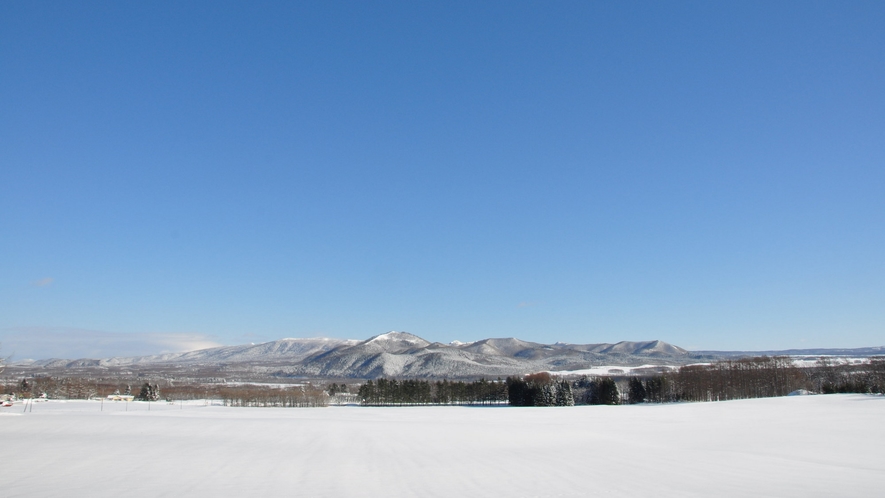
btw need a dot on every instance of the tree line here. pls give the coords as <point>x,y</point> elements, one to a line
<point>718,381</point>
<point>59,387</point>
<point>266,396</point>
<point>829,377</point>
<point>733,379</point>
<point>760,377</point>
<point>306,395</point>
<point>387,392</point>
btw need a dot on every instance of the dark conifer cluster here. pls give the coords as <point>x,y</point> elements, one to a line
<point>539,389</point>
<point>596,391</point>
<point>603,391</point>
<point>647,390</point>
<point>149,392</point>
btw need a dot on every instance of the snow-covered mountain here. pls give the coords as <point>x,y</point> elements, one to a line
<point>402,354</point>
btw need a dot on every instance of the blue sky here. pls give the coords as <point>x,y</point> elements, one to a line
<point>184,174</point>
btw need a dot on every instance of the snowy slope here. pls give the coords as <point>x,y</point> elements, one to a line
<point>803,446</point>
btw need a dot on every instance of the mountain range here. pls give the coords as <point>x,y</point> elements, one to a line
<point>400,354</point>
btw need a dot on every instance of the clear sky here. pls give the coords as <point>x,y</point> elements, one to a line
<point>183,174</point>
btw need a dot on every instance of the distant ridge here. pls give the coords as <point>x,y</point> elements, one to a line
<point>859,352</point>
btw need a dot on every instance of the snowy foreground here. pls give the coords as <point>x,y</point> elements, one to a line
<point>796,446</point>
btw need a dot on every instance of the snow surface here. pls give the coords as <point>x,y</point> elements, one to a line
<point>614,370</point>
<point>812,361</point>
<point>802,446</point>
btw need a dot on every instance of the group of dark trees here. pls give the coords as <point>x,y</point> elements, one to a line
<point>598,391</point>
<point>149,392</point>
<point>828,377</point>
<point>384,392</point>
<point>334,389</point>
<point>540,389</point>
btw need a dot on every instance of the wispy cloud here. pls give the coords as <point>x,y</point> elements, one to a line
<point>43,282</point>
<point>73,343</point>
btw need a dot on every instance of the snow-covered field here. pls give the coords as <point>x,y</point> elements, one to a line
<point>800,446</point>
<point>617,370</point>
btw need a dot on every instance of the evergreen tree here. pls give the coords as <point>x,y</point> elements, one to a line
<point>518,392</point>
<point>604,391</point>
<point>564,395</point>
<point>368,393</point>
<point>149,392</point>
<point>654,389</point>
<point>546,394</point>
<point>539,389</point>
<point>637,390</point>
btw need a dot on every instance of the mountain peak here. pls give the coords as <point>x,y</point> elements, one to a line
<point>394,342</point>
<point>393,335</point>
